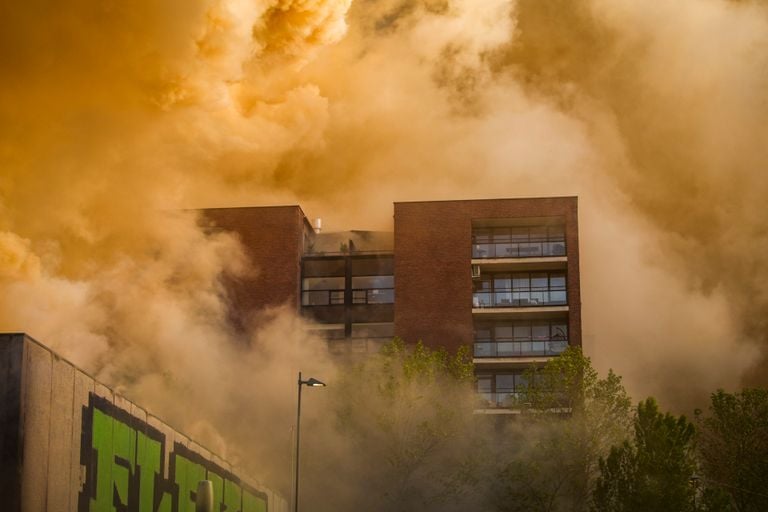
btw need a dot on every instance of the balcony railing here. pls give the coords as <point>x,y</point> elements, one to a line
<point>322,297</point>
<point>359,296</point>
<point>499,399</point>
<point>519,348</point>
<point>516,299</point>
<point>518,249</point>
<point>373,296</point>
<point>358,345</point>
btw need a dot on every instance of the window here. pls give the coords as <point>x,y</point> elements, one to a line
<point>373,290</point>
<point>508,338</point>
<point>501,389</point>
<point>328,331</point>
<point>322,291</point>
<point>518,242</point>
<point>374,330</point>
<point>520,289</point>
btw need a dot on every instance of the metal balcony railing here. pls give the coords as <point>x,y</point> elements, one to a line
<point>519,249</point>
<point>359,296</point>
<point>502,399</point>
<point>518,299</point>
<point>373,296</point>
<point>519,348</point>
<point>322,297</point>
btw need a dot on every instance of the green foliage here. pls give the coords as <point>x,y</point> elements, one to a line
<point>733,445</point>
<point>408,414</point>
<point>571,417</point>
<point>654,471</point>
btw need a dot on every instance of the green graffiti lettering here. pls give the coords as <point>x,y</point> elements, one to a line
<point>188,474</point>
<point>253,503</point>
<point>148,452</point>
<point>123,460</point>
<point>123,457</point>
<point>218,489</point>
<point>102,478</point>
<point>232,496</point>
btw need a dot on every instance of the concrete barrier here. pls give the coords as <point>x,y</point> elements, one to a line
<point>70,444</point>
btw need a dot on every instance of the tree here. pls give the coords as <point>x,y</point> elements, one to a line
<point>405,417</point>
<point>570,418</point>
<point>733,446</point>
<point>654,471</point>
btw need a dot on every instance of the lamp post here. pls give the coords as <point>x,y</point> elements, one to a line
<point>312,382</point>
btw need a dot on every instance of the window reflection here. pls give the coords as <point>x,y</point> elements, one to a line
<point>518,242</point>
<point>520,289</point>
<point>509,338</point>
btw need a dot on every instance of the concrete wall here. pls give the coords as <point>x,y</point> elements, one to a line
<point>70,444</point>
<point>433,255</point>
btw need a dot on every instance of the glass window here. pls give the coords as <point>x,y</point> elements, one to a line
<point>518,235</point>
<point>368,282</point>
<point>539,281</point>
<point>540,330</point>
<point>522,332</point>
<point>324,267</point>
<point>328,331</point>
<point>381,296</point>
<point>482,333</point>
<point>373,266</point>
<point>481,236</point>
<point>359,296</point>
<point>484,383</point>
<point>502,235</point>
<point>557,281</point>
<point>483,284</point>
<point>322,291</point>
<point>556,233</point>
<point>502,282</point>
<point>520,381</point>
<point>538,234</point>
<point>373,330</point>
<point>505,382</point>
<point>559,331</point>
<point>504,333</point>
<point>322,297</point>
<point>521,281</point>
<point>322,283</point>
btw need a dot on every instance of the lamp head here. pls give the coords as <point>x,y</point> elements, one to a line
<point>314,383</point>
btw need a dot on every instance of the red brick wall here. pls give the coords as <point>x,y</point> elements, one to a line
<point>433,252</point>
<point>272,238</point>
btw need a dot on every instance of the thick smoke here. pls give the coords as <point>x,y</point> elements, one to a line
<point>119,119</point>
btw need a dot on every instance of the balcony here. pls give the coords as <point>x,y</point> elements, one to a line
<point>545,240</point>
<point>518,250</point>
<point>322,297</point>
<point>499,400</point>
<point>529,348</point>
<point>515,299</point>
<point>373,296</point>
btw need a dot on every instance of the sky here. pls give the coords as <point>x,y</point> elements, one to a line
<point>119,119</point>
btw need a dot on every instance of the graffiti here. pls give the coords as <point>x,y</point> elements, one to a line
<point>124,460</point>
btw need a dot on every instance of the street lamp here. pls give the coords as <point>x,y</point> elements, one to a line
<point>311,382</point>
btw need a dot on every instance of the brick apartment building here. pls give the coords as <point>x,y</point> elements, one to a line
<point>498,275</point>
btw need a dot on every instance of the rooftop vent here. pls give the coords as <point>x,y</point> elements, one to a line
<point>318,225</point>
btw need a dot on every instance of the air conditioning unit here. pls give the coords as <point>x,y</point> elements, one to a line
<point>475,271</point>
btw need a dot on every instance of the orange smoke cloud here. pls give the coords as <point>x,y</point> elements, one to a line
<point>117,117</point>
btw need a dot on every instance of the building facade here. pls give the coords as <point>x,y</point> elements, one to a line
<point>498,275</point>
